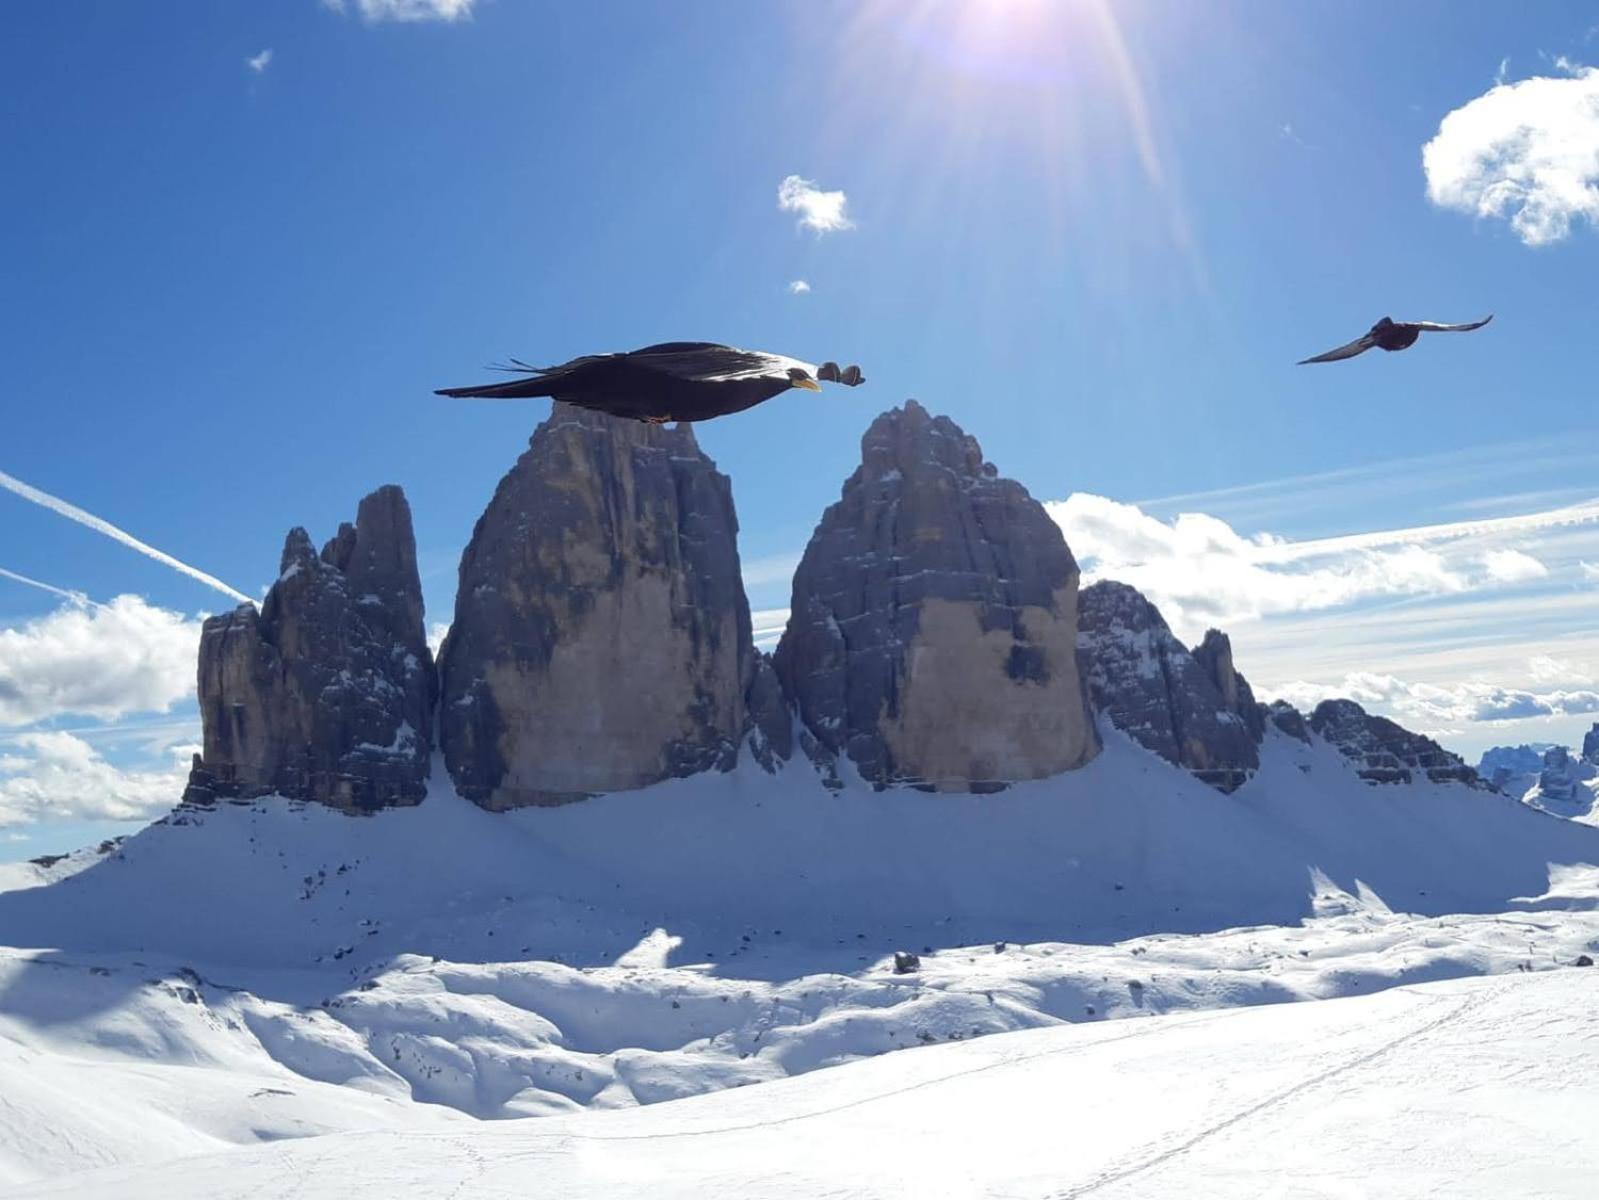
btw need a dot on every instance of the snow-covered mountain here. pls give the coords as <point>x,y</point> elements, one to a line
<point>1550,778</point>
<point>646,862</point>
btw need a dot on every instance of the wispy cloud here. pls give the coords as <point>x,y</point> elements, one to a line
<point>768,625</point>
<point>259,62</point>
<point>97,660</point>
<point>798,287</point>
<point>57,776</point>
<point>823,212</point>
<point>1524,152</point>
<point>1199,570</point>
<point>1432,706</point>
<point>405,10</point>
<point>1503,72</point>
<point>73,513</point>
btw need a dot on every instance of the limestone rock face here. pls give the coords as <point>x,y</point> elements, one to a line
<point>1384,752</point>
<point>1189,710</point>
<point>932,629</point>
<point>327,692</point>
<point>1215,657</point>
<point>601,639</point>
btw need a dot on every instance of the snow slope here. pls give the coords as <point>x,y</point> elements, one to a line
<point>1125,846</point>
<point>270,971</point>
<point>1478,1088</point>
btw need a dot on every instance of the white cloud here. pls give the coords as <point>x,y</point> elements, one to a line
<point>405,10</point>
<point>1512,566</point>
<point>57,776</point>
<point>1590,572</point>
<point>798,287</point>
<point>1526,151</point>
<point>820,211</point>
<point>1503,72</point>
<point>1198,570</point>
<point>259,62</point>
<point>436,634</point>
<point>97,660</point>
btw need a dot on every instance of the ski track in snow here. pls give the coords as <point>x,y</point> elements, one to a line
<point>274,972</point>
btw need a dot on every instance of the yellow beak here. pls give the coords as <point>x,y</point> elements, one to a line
<point>810,385</point>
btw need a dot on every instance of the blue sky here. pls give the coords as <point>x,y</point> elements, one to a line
<point>1097,236</point>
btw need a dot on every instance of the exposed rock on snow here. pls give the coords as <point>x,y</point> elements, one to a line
<point>1289,719</point>
<point>1562,775</point>
<point>1196,712</point>
<point>1383,751</point>
<point>326,693</point>
<point>1590,744</point>
<point>934,618</point>
<point>601,639</point>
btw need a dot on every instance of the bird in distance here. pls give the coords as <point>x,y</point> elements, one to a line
<point>1388,334</point>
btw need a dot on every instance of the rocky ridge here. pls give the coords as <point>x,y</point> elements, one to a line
<point>1385,752</point>
<point>1192,709</point>
<point>601,642</point>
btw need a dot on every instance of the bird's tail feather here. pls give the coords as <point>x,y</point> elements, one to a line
<point>515,389</point>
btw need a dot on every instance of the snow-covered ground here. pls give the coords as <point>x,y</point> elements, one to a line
<point>1480,1088</point>
<point>275,971</point>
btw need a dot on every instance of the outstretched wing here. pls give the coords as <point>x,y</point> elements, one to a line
<point>707,362</point>
<point>1359,346</point>
<point>1434,327</point>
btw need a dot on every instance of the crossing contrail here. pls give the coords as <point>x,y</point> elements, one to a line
<point>75,597</point>
<point>73,513</point>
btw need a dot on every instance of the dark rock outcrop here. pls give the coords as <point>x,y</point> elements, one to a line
<point>1163,697</point>
<point>1288,719</point>
<point>932,629</point>
<point>601,639</point>
<point>1590,745</point>
<point>1384,752</point>
<point>327,692</point>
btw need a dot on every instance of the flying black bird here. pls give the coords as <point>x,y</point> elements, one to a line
<point>674,381</point>
<point>1388,334</point>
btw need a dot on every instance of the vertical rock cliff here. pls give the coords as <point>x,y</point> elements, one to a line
<point>932,631</point>
<point>601,639</point>
<point>326,693</point>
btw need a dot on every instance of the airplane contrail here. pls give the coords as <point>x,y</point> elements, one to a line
<point>73,513</point>
<point>1572,514</point>
<point>75,597</point>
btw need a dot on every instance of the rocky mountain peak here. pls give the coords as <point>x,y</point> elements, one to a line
<point>933,619</point>
<point>601,639</point>
<point>325,694</point>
